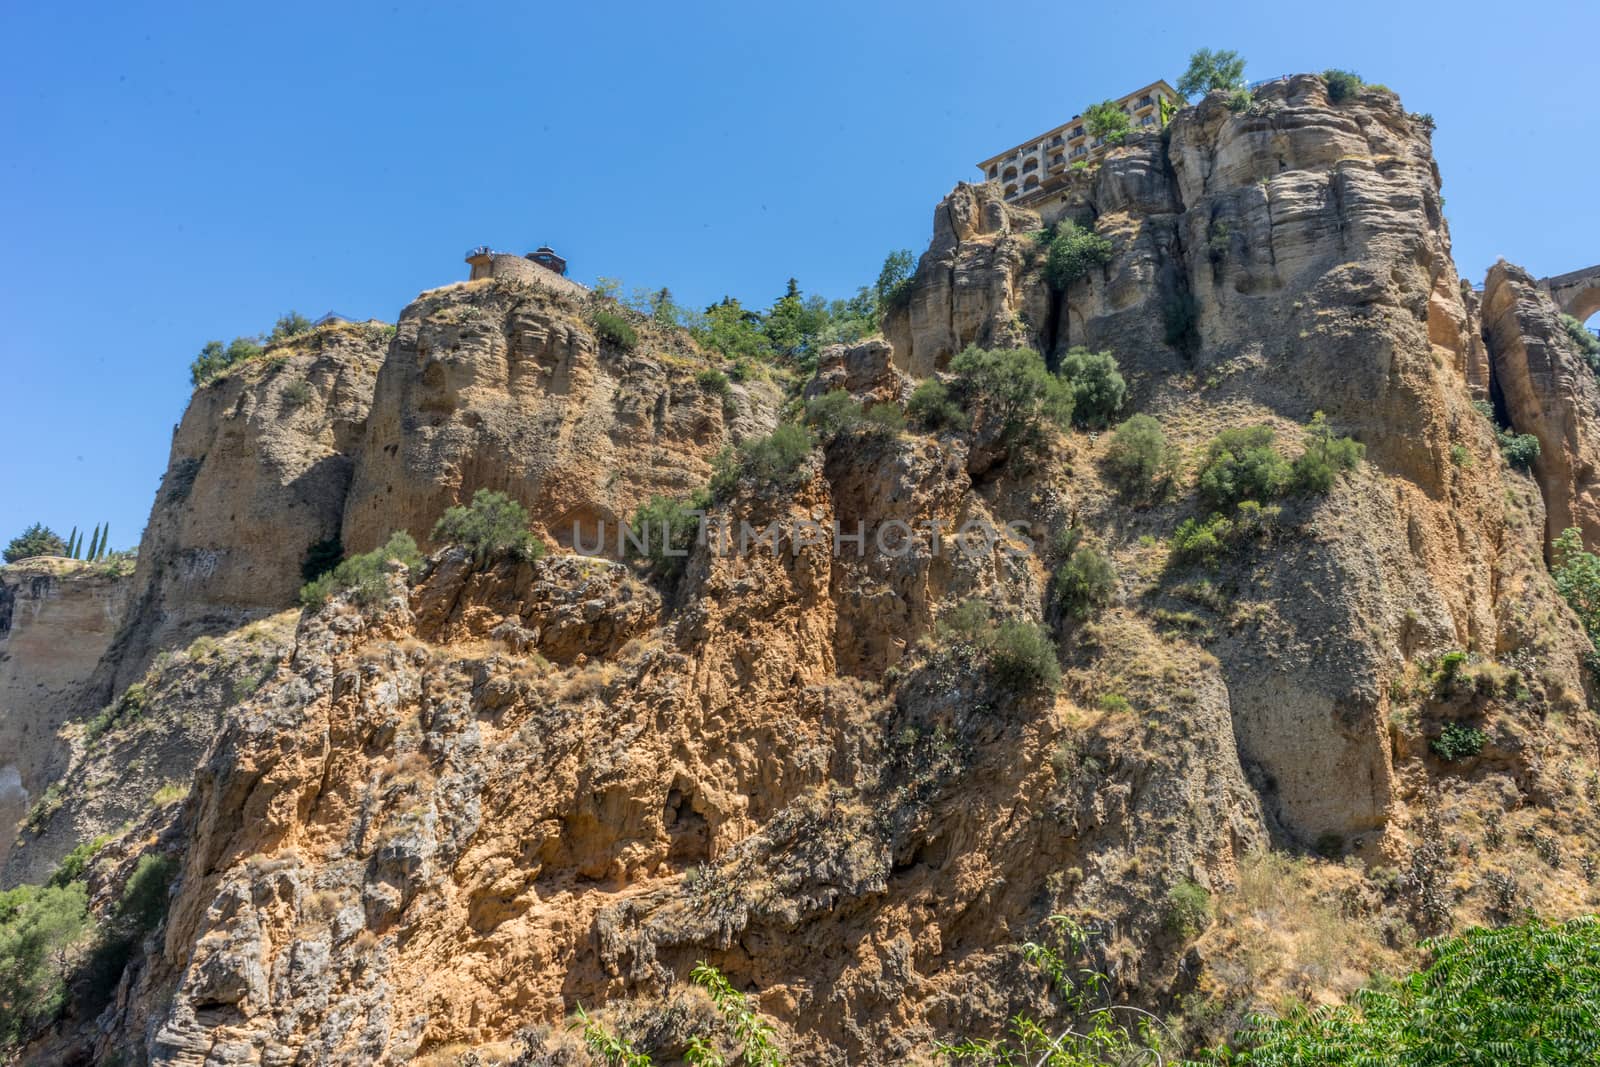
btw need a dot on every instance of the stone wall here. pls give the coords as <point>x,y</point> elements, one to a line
<point>507,267</point>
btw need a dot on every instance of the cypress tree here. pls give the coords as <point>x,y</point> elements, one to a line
<point>105,540</point>
<point>94,542</point>
<point>72,544</point>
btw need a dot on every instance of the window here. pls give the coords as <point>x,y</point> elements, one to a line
<point>994,172</point>
<point>1011,190</point>
<point>1079,151</point>
<point>1032,182</point>
<point>1145,101</point>
<point>1057,159</point>
<point>1010,174</point>
<point>1032,164</point>
<point>1148,120</point>
<point>1078,131</point>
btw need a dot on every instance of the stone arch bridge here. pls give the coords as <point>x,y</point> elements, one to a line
<point>1577,293</point>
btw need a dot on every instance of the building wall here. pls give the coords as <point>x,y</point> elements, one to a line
<point>508,267</point>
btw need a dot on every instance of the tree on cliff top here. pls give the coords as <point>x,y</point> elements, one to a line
<point>1107,121</point>
<point>36,540</point>
<point>1208,70</point>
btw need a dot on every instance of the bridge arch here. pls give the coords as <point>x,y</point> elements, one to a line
<point>1576,293</point>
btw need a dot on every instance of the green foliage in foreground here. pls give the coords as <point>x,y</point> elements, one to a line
<point>364,575</point>
<point>493,524</point>
<point>1527,994</point>
<point>36,540</point>
<point>753,1034</point>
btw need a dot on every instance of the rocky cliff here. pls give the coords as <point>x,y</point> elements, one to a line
<point>57,617</point>
<point>436,826</point>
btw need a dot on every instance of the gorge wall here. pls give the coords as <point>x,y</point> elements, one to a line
<point>437,825</point>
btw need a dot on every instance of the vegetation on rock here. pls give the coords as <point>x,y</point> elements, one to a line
<point>364,576</point>
<point>1208,70</point>
<point>491,525</point>
<point>1072,251</point>
<point>36,540</point>
<point>1140,459</point>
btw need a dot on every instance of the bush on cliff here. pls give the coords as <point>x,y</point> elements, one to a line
<point>1140,459</point>
<point>1577,576</point>
<point>492,525</point>
<point>290,324</point>
<point>1208,70</point>
<point>1243,463</point>
<point>615,329</point>
<point>1085,580</point>
<point>837,412</point>
<point>36,540</point>
<point>772,460</point>
<point>934,408</point>
<point>1342,84</point>
<point>1520,449</point>
<point>1012,395</point>
<point>1073,252</point>
<point>215,360</point>
<point>665,530</point>
<point>1098,389</point>
<point>1325,457</point>
<point>1107,121</point>
<point>1580,335</point>
<point>365,576</point>
<point>1019,655</point>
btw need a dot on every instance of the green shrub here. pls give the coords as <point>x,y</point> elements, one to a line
<point>1188,909</point>
<point>1208,70</point>
<point>38,927</point>
<point>1342,84</point>
<point>36,540</point>
<point>290,324</point>
<point>1577,578</point>
<point>774,460</point>
<point>1019,655</point>
<point>1461,456</point>
<point>1098,389</point>
<point>894,280</point>
<point>1520,449</point>
<point>74,863</point>
<point>1139,457</point>
<point>491,525</point>
<point>214,360</point>
<point>668,529</point>
<point>1526,994</point>
<point>1240,100</point>
<point>1457,742</point>
<point>832,413</point>
<point>1197,541</point>
<point>297,394</point>
<point>1085,580</point>
<point>364,576</point>
<point>612,327</point>
<point>1073,252</point>
<point>1588,344</point>
<point>713,381</point>
<point>140,909</point>
<point>932,406</point>
<point>1325,457</point>
<point>1013,395</point>
<point>1243,464</point>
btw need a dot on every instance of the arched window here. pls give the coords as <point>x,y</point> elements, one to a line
<point>1033,180</point>
<point>1031,164</point>
<point>994,172</point>
<point>1011,190</point>
<point>1010,174</point>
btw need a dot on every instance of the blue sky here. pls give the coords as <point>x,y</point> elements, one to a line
<point>191,172</point>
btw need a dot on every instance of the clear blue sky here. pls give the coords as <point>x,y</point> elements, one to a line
<point>192,171</point>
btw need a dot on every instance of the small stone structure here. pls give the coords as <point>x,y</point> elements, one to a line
<point>1576,293</point>
<point>487,263</point>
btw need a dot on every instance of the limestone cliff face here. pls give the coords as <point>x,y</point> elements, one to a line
<point>259,470</point>
<point>57,616</point>
<point>1547,390</point>
<point>1268,264</point>
<point>447,820</point>
<point>494,385</point>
